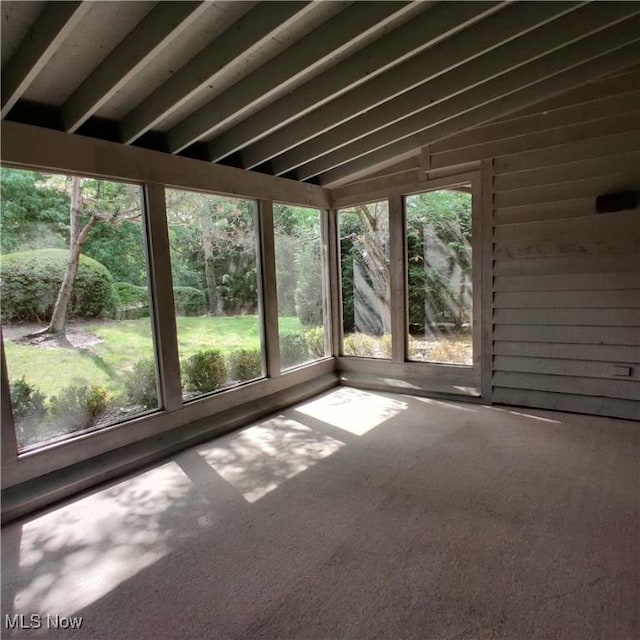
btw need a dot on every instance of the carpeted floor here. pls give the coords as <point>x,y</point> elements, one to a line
<point>358,515</point>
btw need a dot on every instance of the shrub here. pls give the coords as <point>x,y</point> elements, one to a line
<point>413,347</point>
<point>451,350</point>
<point>79,407</point>
<point>315,342</point>
<point>132,300</point>
<point>245,364</point>
<point>31,280</point>
<point>189,301</point>
<point>385,346</point>
<point>142,388</point>
<point>293,350</point>
<point>27,401</point>
<point>359,344</point>
<point>205,371</point>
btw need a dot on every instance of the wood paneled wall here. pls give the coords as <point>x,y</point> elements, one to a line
<point>566,281</point>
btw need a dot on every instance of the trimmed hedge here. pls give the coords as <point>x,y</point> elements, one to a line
<point>293,350</point>
<point>245,364</point>
<point>189,301</point>
<point>133,301</point>
<point>31,281</point>
<point>205,371</point>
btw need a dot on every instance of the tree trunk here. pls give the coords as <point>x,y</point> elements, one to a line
<point>215,307</point>
<point>77,237</point>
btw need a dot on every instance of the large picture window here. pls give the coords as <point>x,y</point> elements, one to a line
<point>214,265</point>
<point>75,304</point>
<point>439,276</point>
<point>366,280</point>
<point>300,277</point>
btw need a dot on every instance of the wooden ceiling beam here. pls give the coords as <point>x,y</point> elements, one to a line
<point>593,67</point>
<point>425,30</point>
<point>51,29</point>
<point>347,29</point>
<point>260,24</point>
<point>398,85</point>
<point>155,31</point>
<point>462,87</point>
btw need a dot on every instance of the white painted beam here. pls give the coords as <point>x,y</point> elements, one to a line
<point>605,106</point>
<point>417,71</point>
<point>157,29</point>
<point>53,26</point>
<point>260,24</point>
<point>425,30</point>
<point>398,141</point>
<point>425,103</point>
<point>26,146</point>
<point>343,31</point>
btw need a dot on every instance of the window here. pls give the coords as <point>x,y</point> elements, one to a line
<point>300,277</point>
<point>214,265</point>
<point>439,276</point>
<point>75,304</point>
<point>366,280</point>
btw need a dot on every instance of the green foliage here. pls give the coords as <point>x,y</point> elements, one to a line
<point>314,338</point>
<point>34,213</point>
<point>245,364</point>
<point>205,371</point>
<point>141,386</point>
<point>132,300</point>
<point>120,248</point>
<point>27,401</point>
<point>189,301</point>
<point>79,407</point>
<point>31,280</point>
<point>359,344</point>
<point>435,296</point>
<point>293,350</point>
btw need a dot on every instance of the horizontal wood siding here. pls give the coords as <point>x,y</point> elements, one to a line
<point>566,286</point>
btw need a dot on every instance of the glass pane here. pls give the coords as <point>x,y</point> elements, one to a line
<point>75,304</point>
<point>439,273</point>
<point>300,282</point>
<point>213,246</point>
<point>366,285</point>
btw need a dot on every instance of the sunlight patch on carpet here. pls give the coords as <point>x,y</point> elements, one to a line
<point>353,410</point>
<point>259,459</point>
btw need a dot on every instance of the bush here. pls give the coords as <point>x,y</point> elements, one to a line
<point>359,344</point>
<point>293,350</point>
<point>245,364</point>
<point>31,281</point>
<point>385,346</point>
<point>27,401</point>
<point>189,301</point>
<point>141,384</point>
<point>205,371</point>
<point>79,407</point>
<point>132,300</point>
<point>315,342</point>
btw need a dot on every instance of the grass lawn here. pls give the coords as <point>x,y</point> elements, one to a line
<point>113,347</point>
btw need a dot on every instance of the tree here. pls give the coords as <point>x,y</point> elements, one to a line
<point>213,248</point>
<point>91,202</point>
<point>365,233</point>
<point>35,213</point>
<point>439,256</point>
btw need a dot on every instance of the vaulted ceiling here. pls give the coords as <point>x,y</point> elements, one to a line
<point>320,91</point>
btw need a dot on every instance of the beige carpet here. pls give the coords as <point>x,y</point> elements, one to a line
<point>358,515</point>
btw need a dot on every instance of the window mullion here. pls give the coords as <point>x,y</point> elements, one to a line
<point>164,319</point>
